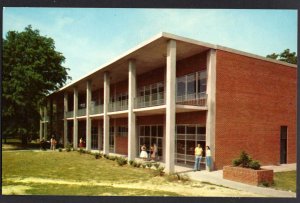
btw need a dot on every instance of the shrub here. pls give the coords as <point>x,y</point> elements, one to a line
<point>112,158</point>
<point>156,165</point>
<point>60,149</point>
<point>121,161</point>
<point>131,162</point>
<point>106,156</point>
<point>138,164</point>
<point>159,171</point>
<point>246,161</point>
<point>254,165</point>
<point>68,147</point>
<point>81,151</point>
<point>149,165</point>
<point>97,155</point>
<point>144,165</point>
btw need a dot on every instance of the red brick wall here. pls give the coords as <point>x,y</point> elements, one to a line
<point>253,99</point>
<point>151,120</point>
<point>121,145</point>
<point>191,118</point>
<point>248,176</point>
<point>151,77</point>
<point>190,65</point>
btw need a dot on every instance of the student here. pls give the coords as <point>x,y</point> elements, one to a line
<point>208,158</point>
<point>81,143</point>
<point>143,154</point>
<point>198,157</point>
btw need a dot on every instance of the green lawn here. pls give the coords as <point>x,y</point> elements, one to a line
<point>285,180</point>
<point>71,173</point>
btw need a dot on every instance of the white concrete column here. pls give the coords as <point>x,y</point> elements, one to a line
<point>170,106</point>
<point>211,102</point>
<point>45,122</point>
<point>131,115</point>
<point>75,120</point>
<point>65,119</point>
<point>88,119</point>
<point>99,134</point>
<point>105,116</point>
<point>41,123</point>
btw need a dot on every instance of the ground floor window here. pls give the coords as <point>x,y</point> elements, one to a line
<point>187,138</point>
<point>150,135</point>
<point>112,139</point>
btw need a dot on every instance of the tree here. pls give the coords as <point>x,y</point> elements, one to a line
<point>286,56</point>
<point>31,70</point>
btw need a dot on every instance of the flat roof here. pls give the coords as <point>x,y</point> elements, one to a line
<point>158,41</point>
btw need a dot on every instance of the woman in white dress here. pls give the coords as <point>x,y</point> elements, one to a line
<point>143,154</point>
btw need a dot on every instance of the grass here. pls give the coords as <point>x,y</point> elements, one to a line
<point>69,173</point>
<point>285,181</point>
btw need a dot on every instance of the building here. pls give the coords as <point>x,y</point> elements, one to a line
<point>177,92</point>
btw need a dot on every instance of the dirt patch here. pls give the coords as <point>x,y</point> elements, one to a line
<point>155,184</point>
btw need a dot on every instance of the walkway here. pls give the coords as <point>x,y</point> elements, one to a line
<point>216,177</point>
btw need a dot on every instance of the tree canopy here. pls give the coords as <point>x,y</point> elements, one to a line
<point>32,68</point>
<point>286,56</point>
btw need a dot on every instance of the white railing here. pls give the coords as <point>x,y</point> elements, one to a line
<point>118,106</point>
<point>150,100</point>
<point>97,109</point>
<point>195,99</point>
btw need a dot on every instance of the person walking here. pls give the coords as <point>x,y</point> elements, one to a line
<point>208,158</point>
<point>198,157</point>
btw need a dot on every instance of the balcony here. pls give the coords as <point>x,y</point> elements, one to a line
<point>118,106</point>
<point>70,114</point>
<point>81,112</point>
<point>195,99</point>
<point>97,109</point>
<point>150,100</point>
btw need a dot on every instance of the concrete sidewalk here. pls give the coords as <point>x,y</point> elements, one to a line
<point>216,177</point>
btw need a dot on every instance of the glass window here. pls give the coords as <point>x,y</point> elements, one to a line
<point>190,130</point>
<point>160,131</point>
<point>201,130</point>
<point>147,130</point>
<point>191,84</point>
<point>153,131</point>
<point>181,86</point>
<point>142,130</point>
<point>180,129</point>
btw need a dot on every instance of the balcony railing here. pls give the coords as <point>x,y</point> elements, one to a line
<point>196,99</point>
<point>118,106</point>
<point>97,109</point>
<point>81,112</point>
<point>70,114</point>
<point>150,100</point>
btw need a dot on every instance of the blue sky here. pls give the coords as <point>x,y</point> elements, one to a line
<point>90,37</point>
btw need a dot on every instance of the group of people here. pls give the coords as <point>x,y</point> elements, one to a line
<point>153,153</point>
<point>198,157</point>
<point>53,144</point>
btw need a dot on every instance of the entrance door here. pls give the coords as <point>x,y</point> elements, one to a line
<point>283,144</point>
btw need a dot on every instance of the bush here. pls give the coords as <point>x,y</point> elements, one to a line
<point>159,171</point>
<point>121,161</point>
<point>254,165</point>
<point>131,162</point>
<point>138,164</point>
<point>178,177</point>
<point>156,165</point>
<point>97,155</point>
<point>246,161</point>
<point>68,147</point>
<point>144,165</point>
<point>60,149</point>
<point>149,165</point>
<point>112,158</point>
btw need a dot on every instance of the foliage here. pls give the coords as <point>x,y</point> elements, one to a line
<point>97,155</point>
<point>31,70</point>
<point>121,161</point>
<point>149,164</point>
<point>68,147</point>
<point>285,56</point>
<point>156,165</point>
<point>246,161</point>
<point>178,177</point>
<point>159,171</point>
<point>60,149</point>
<point>130,162</point>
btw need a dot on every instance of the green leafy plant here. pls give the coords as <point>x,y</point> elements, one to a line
<point>97,155</point>
<point>121,161</point>
<point>246,161</point>
<point>156,165</point>
<point>159,171</point>
<point>130,162</point>
<point>68,147</point>
<point>149,165</point>
<point>60,149</point>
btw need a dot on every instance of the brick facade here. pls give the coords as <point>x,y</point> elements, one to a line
<point>253,99</point>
